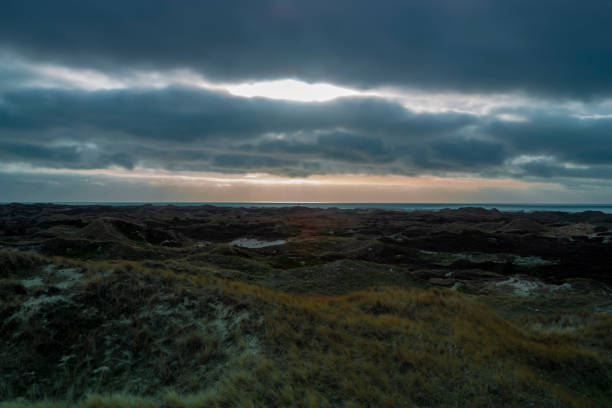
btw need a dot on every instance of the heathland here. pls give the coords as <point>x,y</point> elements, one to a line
<point>204,306</point>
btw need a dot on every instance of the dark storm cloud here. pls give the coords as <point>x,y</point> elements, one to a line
<point>180,128</point>
<point>567,138</point>
<point>189,129</point>
<point>558,47</point>
<point>461,154</point>
<point>186,114</point>
<point>335,145</point>
<point>74,157</point>
<point>547,170</point>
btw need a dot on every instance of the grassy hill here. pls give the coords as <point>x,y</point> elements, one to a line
<point>117,334</point>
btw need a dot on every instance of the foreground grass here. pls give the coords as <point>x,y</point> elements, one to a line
<point>128,336</point>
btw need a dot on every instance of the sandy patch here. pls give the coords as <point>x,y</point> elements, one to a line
<point>524,287</point>
<point>255,243</point>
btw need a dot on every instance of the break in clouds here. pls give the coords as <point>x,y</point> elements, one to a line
<point>497,90</point>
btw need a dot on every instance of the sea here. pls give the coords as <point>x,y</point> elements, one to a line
<point>505,207</point>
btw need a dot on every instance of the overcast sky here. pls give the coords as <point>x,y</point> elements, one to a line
<point>285,100</point>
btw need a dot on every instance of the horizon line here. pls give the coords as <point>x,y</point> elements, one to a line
<point>309,202</point>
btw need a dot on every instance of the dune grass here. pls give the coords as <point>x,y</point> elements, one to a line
<point>140,337</point>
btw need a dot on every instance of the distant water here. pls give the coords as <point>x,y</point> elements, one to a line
<point>606,208</point>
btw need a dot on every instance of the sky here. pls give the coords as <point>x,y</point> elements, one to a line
<point>306,101</point>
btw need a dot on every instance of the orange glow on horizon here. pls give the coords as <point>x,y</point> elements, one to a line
<point>168,185</point>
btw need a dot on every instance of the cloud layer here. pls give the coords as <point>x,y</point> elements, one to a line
<point>187,129</point>
<point>492,90</point>
<point>550,46</point>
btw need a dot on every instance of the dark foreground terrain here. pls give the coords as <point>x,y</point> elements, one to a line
<point>212,306</point>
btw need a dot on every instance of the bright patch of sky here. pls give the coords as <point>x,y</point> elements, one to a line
<point>48,75</point>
